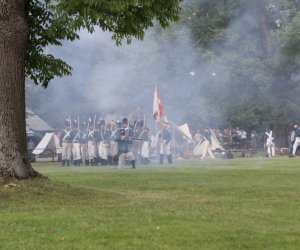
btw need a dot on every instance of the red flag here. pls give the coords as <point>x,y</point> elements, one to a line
<point>158,109</point>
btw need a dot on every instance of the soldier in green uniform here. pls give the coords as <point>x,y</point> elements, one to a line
<point>103,143</point>
<point>65,141</point>
<point>113,145</point>
<point>76,136</point>
<point>92,145</point>
<point>84,144</point>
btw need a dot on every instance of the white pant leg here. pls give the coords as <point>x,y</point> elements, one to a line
<point>145,149</point>
<point>122,158</point>
<point>76,151</point>
<point>103,150</point>
<point>66,151</point>
<point>205,149</point>
<point>113,148</point>
<point>210,152</point>
<point>295,146</point>
<point>92,150</point>
<point>273,150</point>
<point>84,152</point>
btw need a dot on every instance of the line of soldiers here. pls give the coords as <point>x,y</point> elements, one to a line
<point>112,143</point>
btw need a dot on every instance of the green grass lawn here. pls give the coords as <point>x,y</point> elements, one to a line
<point>251,203</point>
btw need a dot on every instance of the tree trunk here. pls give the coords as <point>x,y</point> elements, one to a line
<point>14,162</point>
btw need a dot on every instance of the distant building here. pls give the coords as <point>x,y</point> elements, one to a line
<point>36,127</point>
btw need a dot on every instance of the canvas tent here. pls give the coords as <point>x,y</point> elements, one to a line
<point>186,131</point>
<point>36,124</point>
<point>198,150</point>
<point>50,143</point>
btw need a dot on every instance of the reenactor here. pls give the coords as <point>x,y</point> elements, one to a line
<point>137,144</point>
<point>207,144</point>
<point>92,145</point>
<point>97,142</point>
<point>103,143</point>
<point>84,144</point>
<point>113,144</point>
<point>269,142</point>
<point>75,134</point>
<point>165,143</point>
<point>145,152</point>
<point>296,140</point>
<point>124,152</point>
<point>65,141</point>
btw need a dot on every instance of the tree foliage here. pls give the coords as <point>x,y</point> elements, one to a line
<point>254,48</point>
<point>51,22</point>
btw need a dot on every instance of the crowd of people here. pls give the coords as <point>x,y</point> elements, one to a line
<point>239,139</point>
<point>234,139</point>
<point>113,143</point>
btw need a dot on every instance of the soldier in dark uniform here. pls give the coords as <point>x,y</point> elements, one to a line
<point>124,143</point>
<point>65,141</point>
<point>137,144</point>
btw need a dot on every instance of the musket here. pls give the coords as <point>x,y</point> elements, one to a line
<point>78,127</point>
<point>70,121</point>
<point>94,123</point>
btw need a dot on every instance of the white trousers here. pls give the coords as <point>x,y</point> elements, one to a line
<point>165,149</point>
<point>296,144</point>
<point>123,157</point>
<point>145,149</point>
<point>84,152</point>
<point>103,150</point>
<point>113,148</point>
<point>92,149</point>
<point>76,151</point>
<point>206,150</point>
<point>270,148</point>
<point>66,151</point>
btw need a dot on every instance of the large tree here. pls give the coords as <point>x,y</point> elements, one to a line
<point>28,26</point>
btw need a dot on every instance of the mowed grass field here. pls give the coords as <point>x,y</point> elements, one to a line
<point>251,203</point>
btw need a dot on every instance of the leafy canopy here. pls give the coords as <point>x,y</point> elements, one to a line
<point>51,22</point>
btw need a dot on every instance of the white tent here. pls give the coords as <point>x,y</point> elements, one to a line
<point>186,131</point>
<point>49,142</point>
<point>198,150</point>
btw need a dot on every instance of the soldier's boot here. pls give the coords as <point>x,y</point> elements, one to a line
<point>92,162</point>
<point>146,161</point>
<point>142,160</point>
<point>109,160</point>
<point>75,162</point>
<point>86,162</point>
<point>115,160</point>
<point>63,163</point>
<point>78,163</point>
<point>68,162</point>
<point>161,159</point>
<point>170,161</point>
<point>133,164</point>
